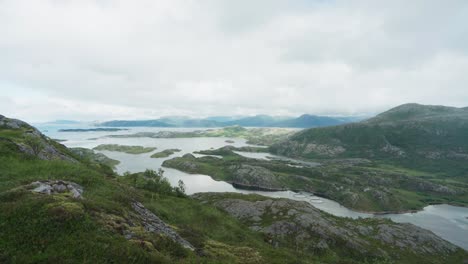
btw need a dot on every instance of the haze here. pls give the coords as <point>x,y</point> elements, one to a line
<point>101,60</point>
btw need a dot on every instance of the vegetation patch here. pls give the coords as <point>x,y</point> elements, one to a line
<point>125,149</point>
<point>165,153</point>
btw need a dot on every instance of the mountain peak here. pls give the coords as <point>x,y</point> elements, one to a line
<point>416,111</point>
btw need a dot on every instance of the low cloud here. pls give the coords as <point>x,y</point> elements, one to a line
<point>90,59</point>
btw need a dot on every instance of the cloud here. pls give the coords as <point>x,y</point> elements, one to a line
<point>113,59</point>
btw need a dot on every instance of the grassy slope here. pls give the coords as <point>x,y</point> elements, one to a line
<point>419,131</point>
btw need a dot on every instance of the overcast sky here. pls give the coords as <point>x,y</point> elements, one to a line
<point>111,59</point>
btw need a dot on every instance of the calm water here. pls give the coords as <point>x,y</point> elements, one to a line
<point>449,222</point>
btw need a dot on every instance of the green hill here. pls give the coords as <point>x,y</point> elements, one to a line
<point>60,206</point>
<point>432,138</point>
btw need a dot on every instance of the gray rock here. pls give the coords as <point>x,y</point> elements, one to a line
<point>57,186</point>
<point>188,156</point>
<point>254,176</point>
<point>154,224</point>
<point>12,123</point>
<point>288,219</point>
<point>60,188</point>
<point>47,151</point>
<point>189,165</point>
<point>42,188</point>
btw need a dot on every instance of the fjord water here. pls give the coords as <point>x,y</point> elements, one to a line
<point>449,222</point>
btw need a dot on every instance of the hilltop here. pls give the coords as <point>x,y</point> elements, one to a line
<point>426,137</point>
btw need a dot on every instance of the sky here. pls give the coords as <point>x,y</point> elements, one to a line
<point>126,59</point>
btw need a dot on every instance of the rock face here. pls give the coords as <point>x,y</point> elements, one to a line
<point>286,221</point>
<point>56,187</point>
<point>94,157</point>
<point>35,143</point>
<point>154,224</point>
<point>48,152</point>
<point>12,123</point>
<point>254,176</point>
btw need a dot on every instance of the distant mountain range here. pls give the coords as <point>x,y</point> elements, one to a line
<point>303,121</point>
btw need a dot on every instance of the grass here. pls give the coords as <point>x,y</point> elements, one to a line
<point>39,228</point>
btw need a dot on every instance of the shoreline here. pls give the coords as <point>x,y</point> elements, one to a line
<point>321,195</point>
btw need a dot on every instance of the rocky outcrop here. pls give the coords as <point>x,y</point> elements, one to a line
<point>283,220</point>
<point>52,187</point>
<point>154,224</point>
<point>13,123</point>
<point>47,152</point>
<point>33,141</point>
<point>94,157</point>
<point>253,176</point>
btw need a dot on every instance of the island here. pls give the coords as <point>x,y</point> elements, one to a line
<point>92,129</point>
<point>125,149</point>
<point>359,184</point>
<point>165,153</point>
<point>256,136</point>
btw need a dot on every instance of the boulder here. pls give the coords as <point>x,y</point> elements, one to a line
<point>57,186</point>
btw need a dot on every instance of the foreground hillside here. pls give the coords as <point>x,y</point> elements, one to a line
<point>63,206</point>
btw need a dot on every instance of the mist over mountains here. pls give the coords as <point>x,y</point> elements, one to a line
<point>303,121</point>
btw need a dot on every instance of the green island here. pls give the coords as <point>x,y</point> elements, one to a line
<point>58,207</point>
<point>92,130</point>
<point>165,153</point>
<point>256,136</point>
<point>125,149</point>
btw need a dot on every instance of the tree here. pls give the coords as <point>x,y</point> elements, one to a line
<point>35,143</point>
<point>181,187</point>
